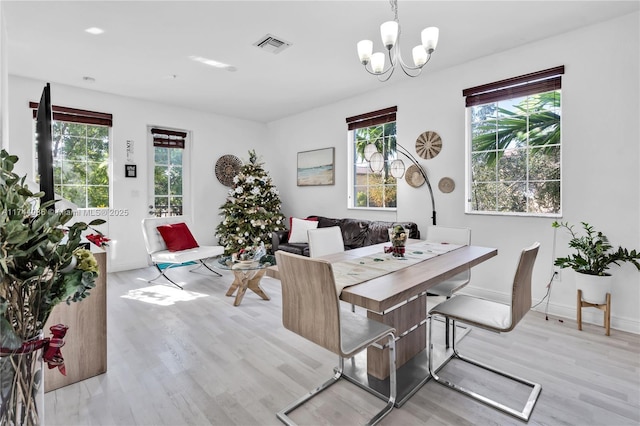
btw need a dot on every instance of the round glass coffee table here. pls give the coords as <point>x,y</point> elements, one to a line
<point>247,275</point>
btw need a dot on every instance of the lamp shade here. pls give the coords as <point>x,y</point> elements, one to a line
<point>389,33</point>
<point>377,62</point>
<point>419,56</point>
<point>429,38</point>
<point>369,150</point>
<point>397,168</point>
<point>365,47</point>
<point>376,162</point>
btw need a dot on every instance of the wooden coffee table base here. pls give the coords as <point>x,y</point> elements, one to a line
<point>246,279</point>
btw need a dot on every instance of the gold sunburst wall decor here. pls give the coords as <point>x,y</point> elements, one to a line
<point>428,145</point>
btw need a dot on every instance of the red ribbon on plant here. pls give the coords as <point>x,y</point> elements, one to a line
<point>50,348</point>
<point>98,239</point>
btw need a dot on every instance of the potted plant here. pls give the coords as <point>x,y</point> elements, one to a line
<point>594,256</point>
<point>42,264</point>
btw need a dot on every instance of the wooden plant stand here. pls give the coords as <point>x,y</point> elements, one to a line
<point>606,307</point>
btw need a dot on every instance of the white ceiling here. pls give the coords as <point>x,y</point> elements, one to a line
<point>146,42</point>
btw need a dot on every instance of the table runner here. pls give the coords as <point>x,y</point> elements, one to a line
<point>355,271</point>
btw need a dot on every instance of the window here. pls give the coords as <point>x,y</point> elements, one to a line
<point>514,145</point>
<point>80,155</point>
<point>168,154</point>
<point>368,189</point>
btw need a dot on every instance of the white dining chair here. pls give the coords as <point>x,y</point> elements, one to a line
<point>493,316</point>
<point>443,234</point>
<point>323,241</point>
<point>310,308</point>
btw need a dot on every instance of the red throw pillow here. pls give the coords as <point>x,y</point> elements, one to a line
<point>177,237</point>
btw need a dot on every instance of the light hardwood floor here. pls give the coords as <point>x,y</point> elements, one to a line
<point>191,358</point>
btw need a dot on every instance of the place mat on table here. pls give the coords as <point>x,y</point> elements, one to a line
<point>355,271</point>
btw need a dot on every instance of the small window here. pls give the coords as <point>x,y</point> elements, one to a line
<point>369,189</point>
<point>168,154</point>
<point>514,145</point>
<point>80,156</point>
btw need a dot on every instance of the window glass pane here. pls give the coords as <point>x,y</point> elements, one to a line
<point>175,179</point>
<point>162,155</point>
<point>161,186</point>
<point>544,163</point>
<point>97,150</point>
<point>73,172</point>
<point>75,148</point>
<point>483,166</point>
<point>175,156</point>
<point>511,197</point>
<point>545,197</point>
<point>483,196</point>
<point>77,194</point>
<point>98,174</point>
<point>98,196</point>
<point>512,164</point>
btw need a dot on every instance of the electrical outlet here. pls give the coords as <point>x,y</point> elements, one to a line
<point>557,274</point>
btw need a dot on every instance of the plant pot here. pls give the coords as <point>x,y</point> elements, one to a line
<point>594,287</point>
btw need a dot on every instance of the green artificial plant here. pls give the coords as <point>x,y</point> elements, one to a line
<point>594,254</point>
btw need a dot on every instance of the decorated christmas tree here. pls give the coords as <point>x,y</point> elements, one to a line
<point>251,212</point>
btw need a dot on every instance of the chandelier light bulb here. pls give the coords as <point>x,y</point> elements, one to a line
<point>389,34</point>
<point>377,62</point>
<point>430,39</point>
<point>419,55</point>
<point>365,48</point>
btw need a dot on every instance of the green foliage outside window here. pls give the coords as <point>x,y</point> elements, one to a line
<point>168,181</point>
<point>81,163</point>
<point>371,189</point>
<point>515,155</point>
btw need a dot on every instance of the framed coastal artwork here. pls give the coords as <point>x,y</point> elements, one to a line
<point>316,167</point>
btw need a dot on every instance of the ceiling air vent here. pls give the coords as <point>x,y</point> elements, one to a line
<point>272,44</point>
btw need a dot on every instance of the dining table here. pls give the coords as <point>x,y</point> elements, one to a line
<point>394,291</point>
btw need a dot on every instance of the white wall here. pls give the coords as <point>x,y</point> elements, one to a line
<point>212,136</point>
<point>600,156</point>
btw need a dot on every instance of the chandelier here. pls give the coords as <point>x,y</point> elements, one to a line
<point>390,33</point>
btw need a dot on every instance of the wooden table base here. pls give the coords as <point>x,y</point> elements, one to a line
<point>606,307</point>
<point>247,279</point>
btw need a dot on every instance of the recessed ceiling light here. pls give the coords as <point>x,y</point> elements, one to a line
<point>94,30</point>
<point>213,63</point>
<point>89,79</point>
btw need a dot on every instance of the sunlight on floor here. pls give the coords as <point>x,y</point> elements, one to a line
<point>162,295</point>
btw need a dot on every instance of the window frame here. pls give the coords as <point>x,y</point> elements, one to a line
<point>370,119</point>
<point>513,88</point>
<point>75,116</point>
<point>184,145</point>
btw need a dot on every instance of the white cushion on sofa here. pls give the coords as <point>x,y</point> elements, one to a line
<point>299,229</point>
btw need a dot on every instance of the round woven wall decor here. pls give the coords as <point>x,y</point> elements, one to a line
<point>446,185</point>
<point>428,145</point>
<point>413,176</point>
<point>227,167</point>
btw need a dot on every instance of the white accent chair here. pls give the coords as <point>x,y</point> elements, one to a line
<point>492,316</point>
<point>158,252</point>
<point>443,234</point>
<point>311,309</point>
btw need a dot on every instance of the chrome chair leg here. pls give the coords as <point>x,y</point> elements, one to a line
<point>283,414</point>
<point>523,414</point>
<point>162,274</point>
<point>206,266</point>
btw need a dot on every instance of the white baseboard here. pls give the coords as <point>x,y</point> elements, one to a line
<point>589,315</point>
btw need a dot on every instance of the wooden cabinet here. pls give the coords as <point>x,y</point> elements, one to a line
<point>85,349</point>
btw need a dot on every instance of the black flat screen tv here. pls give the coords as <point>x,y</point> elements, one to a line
<point>44,137</point>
